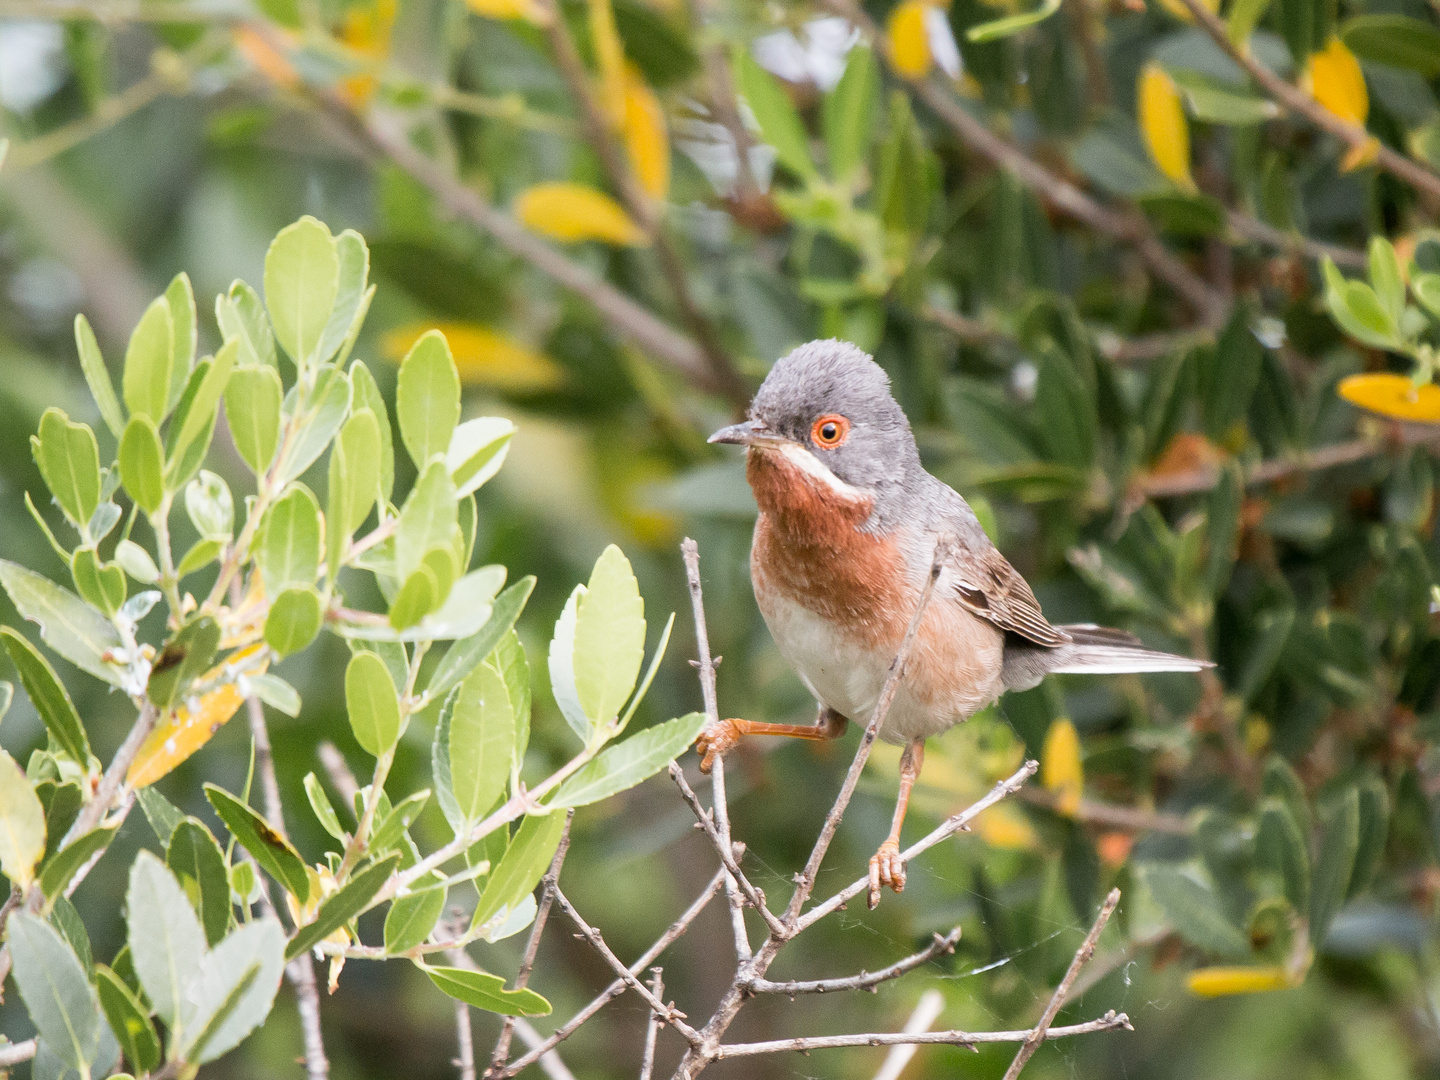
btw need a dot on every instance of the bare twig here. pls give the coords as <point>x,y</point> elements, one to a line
<point>616,988</point>
<point>1298,101</point>
<point>339,772</point>
<point>100,804</point>
<point>1259,232</point>
<point>1111,1021</point>
<point>1082,955</point>
<point>549,1061</point>
<point>1205,477</point>
<point>652,1026</point>
<point>532,944</point>
<point>15,1053</point>
<point>940,945</point>
<point>1118,817</point>
<point>926,1010</point>
<point>465,1040</point>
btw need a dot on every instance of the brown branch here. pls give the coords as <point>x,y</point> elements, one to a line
<point>1111,1021</point>
<point>1120,817</point>
<point>1192,481</point>
<point>14,1053</point>
<point>652,1027</point>
<point>672,1016</point>
<point>1257,231</point>
<point>549,1061</point>
<point>465,1041</point>
<point>532,944</point>
<point>616,988</point>
<point>1294,99</point>
<point>1082,955</point>
<point>939,946</point>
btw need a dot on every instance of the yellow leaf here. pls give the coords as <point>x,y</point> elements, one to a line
<point>1394,396</point>
<point>366,31</point>
<point>646,140</point>
<point>1163,125</point>
<point>1181,12</point>
<point>528,10</point>
<point>1334,79</point>
<point>610,58</point>
<point>1223,981</point>
<point>1360,155</point>
<point>180,734</point>
<point>909,39</point>
<point>1005,826</point>
<point>573,212</point>
<point>484,357</point>
<point>1060,769</point>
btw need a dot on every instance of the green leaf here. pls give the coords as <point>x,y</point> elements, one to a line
<point>1244,16</point>
<point>850,112</point>
<point>440,767</point>
<point>69,460</point>
<point>195,858</point>
<point>294,620</point>
<point>393,825</point>
<point>352,297</point>
<point>1280,781</point>
<point>97,376</point>
<point>164,817</point>
<point>149,360</point>
<point>905,185</point>
<point>1385,278</point>
<point>1374,826</point>
<point>371,702</point>
<point>166,938</point>
<point>48,695</point>
<point>622,766</point>
<point>367,396</point>
<point>779,122</point>
<point>68,625</point>
<point>476,452</point>
<point>61,867</point>
<point>136,562</point>
<point>1426,288</point>
<point>359,442</point>
<point>188,655</point>
<point>55,989</point>
<point>271,850</point>
<point>277,693</point>
<point>1195,912</point>
<point>482,741</point>
<point>427,398</point>
<point>562,667</point>
<point>411,918</point>
<point>241,317</point>
<point>142,463</point>
<point>508,658</point>
<point>525,862</point>
<point>1280,847</point>
<point>325,411</point>
<point>1231,375</point>
<point>65,919</point>
<point>1338,847</point>
<point>129,1020</point>
<point>485,991</point>
<point>302,271</point>
<point>288,545</point>
<point>344,905</point>
<point>22,824</point>
<point>1397,40</point>
<point>233,990</point>
<point>1066,407</point>
<point>323,809</point>
<point>201,554</point>
<point>200,414</point>
<point>1011,24</point>
<point>252,408</point>
<point>1217,102</point>
<point>609,637</point>
<point>180,298</point>
<point>415,600</point>
<point>465,654</point>
<point>428,520</point>
<point>99,585</point>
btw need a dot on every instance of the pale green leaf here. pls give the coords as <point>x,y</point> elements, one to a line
<point>97,376</point>
<point>167,940</point>
<point>372,704</point>
<point>482,741</point>
<point>302,270</point>
<point>22,824</point>
<point>485,991</point>
<point>69,460</point>
<point>232,992</point>
<point>71,627</point>
<point>252,409</point>
<point>622,766</point>
<point>562,667</point>
<point>427,398</point>
<point>477,450</point>
<point>288,545</point>
<point>57,994</point>
<point>609,637</point>
<point>525,862</point>
<point>142,463</point>
<point>149,359</point>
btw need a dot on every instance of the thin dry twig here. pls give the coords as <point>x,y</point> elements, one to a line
<point>465,1040</point>
<point>925,1013</point>
<point>1111,1021</point>
<point>1205,477</point>
<point>15,1053</point>
<point>652,1026</point>
<point>940,945</point>
<point>1082,955</point>
<point>1117,817</point>
<point>338,771</point>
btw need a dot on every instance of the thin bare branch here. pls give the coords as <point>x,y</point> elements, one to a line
<point>652,1026</point>
<point>616,988</point>
<point>1294,99</point>
<point>549,1061</point>
<point>925,1013</point>
<point>15,1053</point>
<point>465,1040</point>
<point>339,772</point>
<point>1111,1021</point>
<point>101,803</point>
<point>1082,955</point>
<point>1118,817</point>
<point>1203,478</point>
<point>1257,231</point>
<point>940,945</point>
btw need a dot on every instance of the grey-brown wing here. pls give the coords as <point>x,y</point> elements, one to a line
<point>987,585</point>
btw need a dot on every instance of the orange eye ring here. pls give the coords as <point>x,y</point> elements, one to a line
<point>830,431</point>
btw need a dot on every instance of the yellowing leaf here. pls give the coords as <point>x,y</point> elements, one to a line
<point>484,357</point>
<point>909,39</point>
<point>1360,155</point>
<point>1224,981</point>
<point>1394,396</point>
<point>1163,125</point>
<point>1181,12</point>
<point>1060,769</point>
<point>1334,79</point>
<point>265,58</point>
<point>181,733</point>
<point>610,57</point>
<point>528,10</point>
<point>647,141</point>
<point>571,213</point>
<point>366,31</point>
<point>1005,826</point>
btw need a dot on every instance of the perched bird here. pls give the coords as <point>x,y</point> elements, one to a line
<point>849,526</point>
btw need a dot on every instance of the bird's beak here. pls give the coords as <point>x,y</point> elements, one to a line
<point>750,433</point>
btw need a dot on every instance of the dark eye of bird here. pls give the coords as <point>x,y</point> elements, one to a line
<point>829,432</point>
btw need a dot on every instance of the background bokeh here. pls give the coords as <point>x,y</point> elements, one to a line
<point>1023,345</point>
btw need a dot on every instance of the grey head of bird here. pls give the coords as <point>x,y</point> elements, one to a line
<point>829,404</point>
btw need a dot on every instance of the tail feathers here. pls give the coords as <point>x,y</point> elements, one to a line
<point>1092,650</point>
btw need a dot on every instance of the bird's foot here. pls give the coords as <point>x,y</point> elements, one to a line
<point>886,868</point>
<point>716,741</point>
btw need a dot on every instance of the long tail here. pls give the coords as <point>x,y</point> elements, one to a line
<point>1092,650</point>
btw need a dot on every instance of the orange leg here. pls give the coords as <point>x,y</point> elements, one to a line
<point>886,867</point>
<point>720,740</point>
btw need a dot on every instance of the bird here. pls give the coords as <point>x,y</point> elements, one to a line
<point>849,526</point>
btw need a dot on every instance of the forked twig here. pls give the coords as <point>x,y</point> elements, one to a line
<point>940,945</point>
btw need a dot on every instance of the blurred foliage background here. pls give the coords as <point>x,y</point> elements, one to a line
<point>1084,241</point>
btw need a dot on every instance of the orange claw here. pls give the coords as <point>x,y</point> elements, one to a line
<point>886,868</point>
<point>717,741</point>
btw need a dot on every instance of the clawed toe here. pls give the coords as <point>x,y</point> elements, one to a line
<point>886,868</point>
<point>716,741</point>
